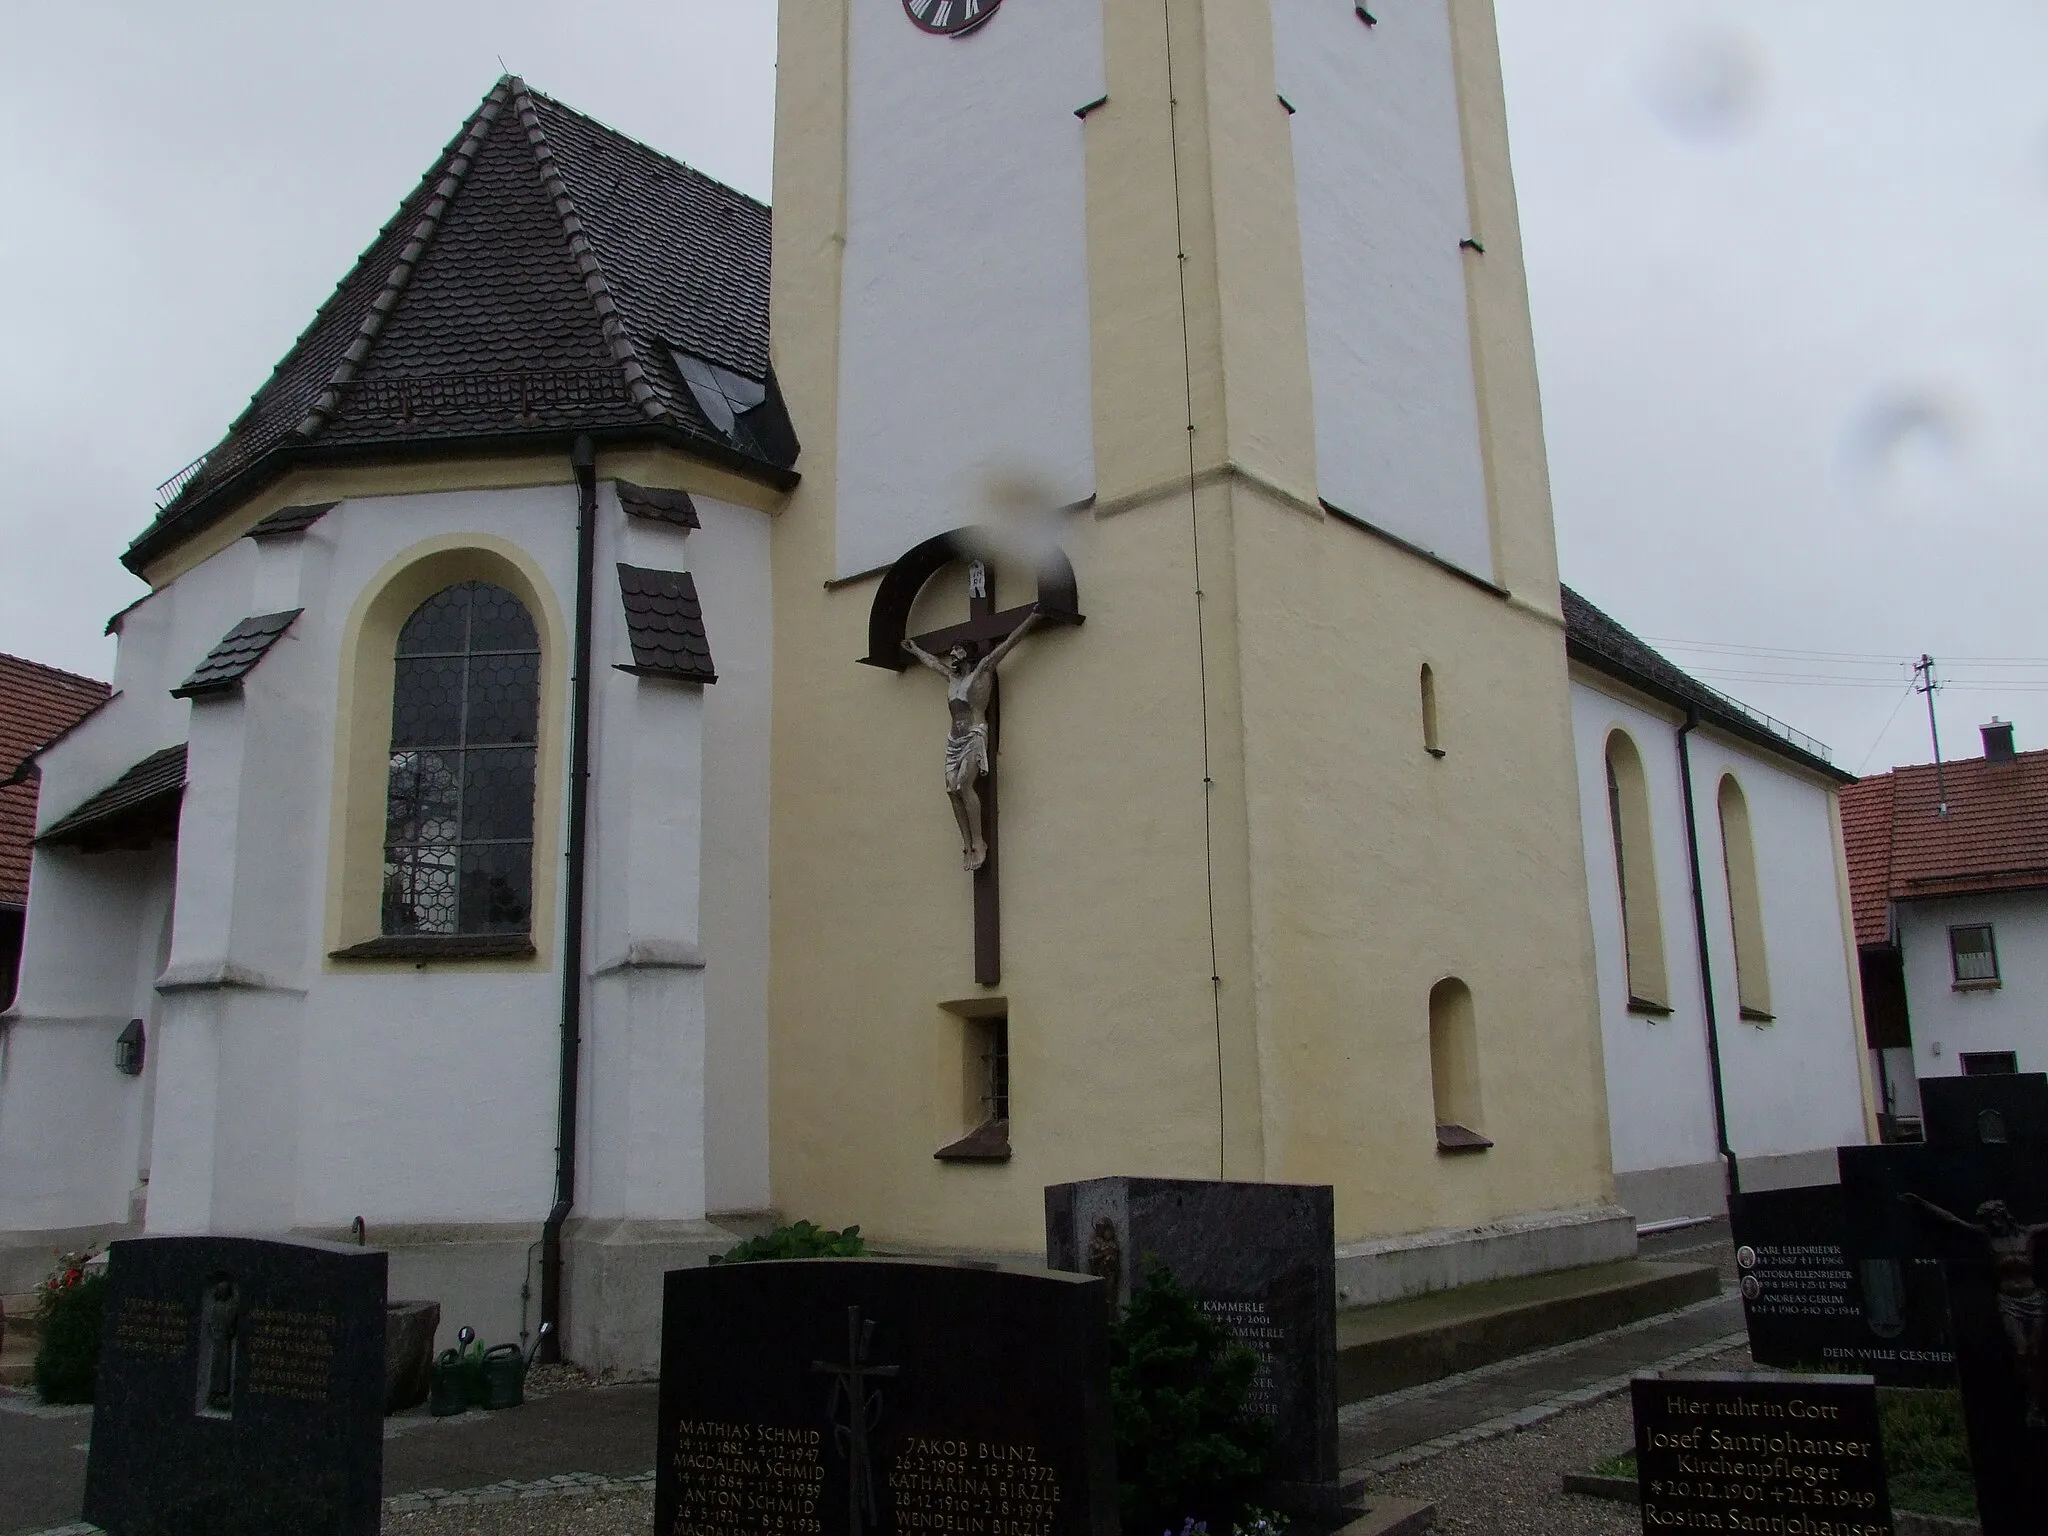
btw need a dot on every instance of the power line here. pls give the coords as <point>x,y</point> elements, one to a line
<point>1888,719</point>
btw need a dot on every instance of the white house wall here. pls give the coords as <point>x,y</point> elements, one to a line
<point>1379,176</point>
<point>2010,1017</point>
<point>1793,1087</point>
<point>964,343</point>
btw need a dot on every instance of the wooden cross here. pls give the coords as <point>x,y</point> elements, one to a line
<point>984,629</point>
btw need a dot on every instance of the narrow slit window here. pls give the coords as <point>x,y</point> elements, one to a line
<point>1745,904</point>
<point>1454,1068</point>
<point>465,711</point>
<point>1635,873</point>
<point>1973,955</point>
<point>1432,741</point>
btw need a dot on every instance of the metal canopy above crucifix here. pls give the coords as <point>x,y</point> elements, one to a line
<point>967,654</point>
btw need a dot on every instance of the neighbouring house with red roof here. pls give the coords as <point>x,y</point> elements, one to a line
<point>37,705</point>
<point>1948,866</point>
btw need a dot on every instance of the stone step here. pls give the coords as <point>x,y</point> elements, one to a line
<point>1426,1338</point>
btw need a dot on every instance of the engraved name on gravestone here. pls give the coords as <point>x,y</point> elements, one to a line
<point>1982,1212</point>
<point>1261,1260</point>
<point>1760,1453</point>
<point>1808,1307</point>
<point>241,1389</point>
<point>832,1397</point>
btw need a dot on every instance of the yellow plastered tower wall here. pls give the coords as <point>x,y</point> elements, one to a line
<point>1232,871</point>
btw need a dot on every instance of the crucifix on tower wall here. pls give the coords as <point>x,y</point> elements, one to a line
<point>967,656</point>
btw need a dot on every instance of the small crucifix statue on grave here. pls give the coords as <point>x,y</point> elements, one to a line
<point>2022,1305</point>
<point>863,1407</point>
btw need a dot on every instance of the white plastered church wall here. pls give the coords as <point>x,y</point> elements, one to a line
<point>1659,1093</point>
<point>966,217</point>
<point>1947,1022</point>
<point>1379,175</point>
<point>1793,1088</point>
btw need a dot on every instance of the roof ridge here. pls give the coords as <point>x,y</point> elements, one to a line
<point>63,672</point>
<point>641,144</point>
<point>585,256</point>
<point>323,408</point>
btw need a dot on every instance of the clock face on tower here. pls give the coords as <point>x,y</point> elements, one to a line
<point>953,18</point>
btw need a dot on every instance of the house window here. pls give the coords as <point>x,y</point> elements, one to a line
<point>1635,872</point>
<point>1973,955</point>
<point>465,707</point>
<point>1745,904</point>
<point>1989,1063</point>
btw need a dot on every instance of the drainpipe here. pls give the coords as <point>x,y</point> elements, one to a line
<point>1699,927</point>
<point>583,460</point>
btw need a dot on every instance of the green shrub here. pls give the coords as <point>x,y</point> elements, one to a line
<point>1927,1452</point>
<point>798,1240</point>
<point>69,1310</point>
<point>1185,1448</point>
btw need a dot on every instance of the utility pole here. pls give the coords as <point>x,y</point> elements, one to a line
<point>1923,672</point>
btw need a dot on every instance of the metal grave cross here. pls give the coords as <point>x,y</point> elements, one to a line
<point>863,1407</point>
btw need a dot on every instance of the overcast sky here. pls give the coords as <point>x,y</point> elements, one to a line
<point>1785,256</point>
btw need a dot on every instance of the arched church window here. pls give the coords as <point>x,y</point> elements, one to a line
<point>1745,904</point>
<point>1635,872</point>
<point>465,709</point>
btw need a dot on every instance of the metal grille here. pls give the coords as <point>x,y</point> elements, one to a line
<point>465,708</point>
<point>995,1063</point>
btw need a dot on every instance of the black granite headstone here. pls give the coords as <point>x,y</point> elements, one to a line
<point>1810,1308</point>
<point>1760,1453</point>
<point>1998,1109</point>
<point>831,1397</point>
<point>1981,1211</point>
<point>241,1389</point>
<point>1259,1258</point>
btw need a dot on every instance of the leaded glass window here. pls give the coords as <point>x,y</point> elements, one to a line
<point>465,710</point>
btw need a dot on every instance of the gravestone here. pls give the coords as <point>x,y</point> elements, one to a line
<point>1742,1452</point>
<point>241,1389</point>
<point>1261,1259</point>
<point>1982,1212</point>
<point>1809,1307</point>
<point>2001,1108</point>
<point>831,1397</point>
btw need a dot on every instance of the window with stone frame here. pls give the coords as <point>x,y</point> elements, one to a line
<point>465,709</point>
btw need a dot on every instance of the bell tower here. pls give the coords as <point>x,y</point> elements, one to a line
<point>1229,294</point>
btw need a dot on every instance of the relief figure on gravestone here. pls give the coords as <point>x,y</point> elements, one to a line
<point>970,683</point>
<point>221,1311</point>
<point>2022,1305</point>
<point>1106,1258</point>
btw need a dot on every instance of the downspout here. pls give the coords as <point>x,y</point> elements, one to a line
<point>583,460</point>
<point>1699,927</point>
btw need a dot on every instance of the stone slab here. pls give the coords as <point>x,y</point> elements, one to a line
<point>241,1389</point>
<point>1260,1259</point>
<point>1390,1516</point>
<point>833,1396</point>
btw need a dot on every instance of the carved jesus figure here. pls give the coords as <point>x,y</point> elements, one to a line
<point>969,686</point>
<point>2022,1305</point>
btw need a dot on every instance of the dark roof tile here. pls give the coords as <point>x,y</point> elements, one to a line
<point>134,808</point>
<point>665,625</point>
<point>235,657</point>
<point>532,283</point>
<point>286,520</point>
<point>658,506</point>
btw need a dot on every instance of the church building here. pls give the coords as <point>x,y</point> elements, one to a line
<point>1054,668</point>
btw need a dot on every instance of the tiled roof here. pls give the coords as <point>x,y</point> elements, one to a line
<point>1596,640</point>
<point>235,657</point>
<point>665,625</point>
<point>37,705</point>
<point>530,287</point>
<point>141,797</point>
<point>290,520</point>
<point>1994,837</point>
<point>658,506</point>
